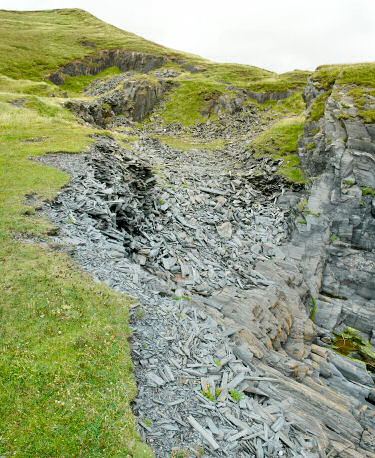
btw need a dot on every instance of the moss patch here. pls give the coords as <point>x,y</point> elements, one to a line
<point>291,106</point>
<point>188,100</point>
<point>367,191</point>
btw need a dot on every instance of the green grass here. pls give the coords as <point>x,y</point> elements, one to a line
<point>235,74</point>
<point>236,395</point>
<point>66,378</point>
<point>187,101</point>
<point>361,79</point>
<point>358,74</point>
<point>318,106</point>
<point>291,106</point>
<point>291,80</point>
<point>280,141</point>
<point>325,76</point>
<point>20,86</point>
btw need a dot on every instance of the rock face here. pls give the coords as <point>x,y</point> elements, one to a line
<point>336,245</point>
<point>123,60</point>
<point>262,97</point>
<point>119,99</point>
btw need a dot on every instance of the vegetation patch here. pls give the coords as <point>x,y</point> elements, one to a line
<point>367,191</point>
<point>65,370</point>
<point>188,100</point>
<point>279,83</point>
<point>325,76</point>
<point>312,309</point>
<point>236,395</point>
<point>74,84</point>
<point>362,79</point>
<point>280,142</point>
<point>291,106</point>
<point>359,74</point>
<point>317,108</point>
<point>363,98</point>
<point>349,343</point>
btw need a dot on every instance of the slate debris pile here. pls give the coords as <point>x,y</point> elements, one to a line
<point>198,234</point>
<point>194,391</point>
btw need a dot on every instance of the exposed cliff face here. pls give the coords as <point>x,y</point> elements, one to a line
<point>336,248</point>
<point>120,99</point>
<point>123,60</point>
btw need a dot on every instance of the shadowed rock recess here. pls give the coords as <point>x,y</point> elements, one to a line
<point>244,279</point>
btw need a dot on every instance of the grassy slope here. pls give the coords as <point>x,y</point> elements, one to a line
<point>32,44</point>
<point>65,370</point>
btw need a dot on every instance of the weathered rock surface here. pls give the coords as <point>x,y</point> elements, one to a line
<point>123,60</point>
<point>119,100</point>
<point>336,245</point>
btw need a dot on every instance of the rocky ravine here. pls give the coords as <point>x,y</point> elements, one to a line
<point>223,312</point>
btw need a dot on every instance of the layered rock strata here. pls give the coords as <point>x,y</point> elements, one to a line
<point>123,60</point>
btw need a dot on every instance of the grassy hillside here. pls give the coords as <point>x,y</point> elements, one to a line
<point>358,78</point>
<point>65,370</point>
<point>37,42</point>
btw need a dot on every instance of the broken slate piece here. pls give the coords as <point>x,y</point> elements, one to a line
<point>203,432</point>
<point>225,230</point>
<point>154,379</point>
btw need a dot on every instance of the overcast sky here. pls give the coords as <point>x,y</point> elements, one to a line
<point>278,35</point>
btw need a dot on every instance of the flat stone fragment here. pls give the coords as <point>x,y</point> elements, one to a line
<point>225,230</point>
<point>154,379</point>
<point>204,433</point>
